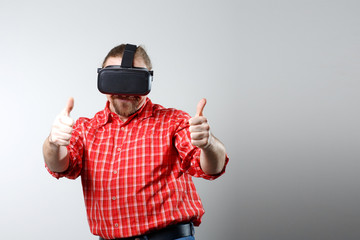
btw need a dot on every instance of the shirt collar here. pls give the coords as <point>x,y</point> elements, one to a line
<point>107,115</point>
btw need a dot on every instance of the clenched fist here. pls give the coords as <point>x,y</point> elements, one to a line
<point>62,127</point>
<point>199,127</point>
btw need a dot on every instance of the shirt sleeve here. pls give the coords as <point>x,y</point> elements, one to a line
<point>190,154</point>
<point>75,150</point>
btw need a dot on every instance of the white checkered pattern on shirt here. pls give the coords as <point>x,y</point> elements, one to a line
<point>136,175</point>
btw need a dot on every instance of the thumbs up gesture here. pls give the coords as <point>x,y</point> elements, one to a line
<point>62,127</point>
<point>199,127</point>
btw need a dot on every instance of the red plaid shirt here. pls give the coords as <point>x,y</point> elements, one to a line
<point>136,175</point>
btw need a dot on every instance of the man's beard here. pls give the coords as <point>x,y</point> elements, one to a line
<point>125,106</point>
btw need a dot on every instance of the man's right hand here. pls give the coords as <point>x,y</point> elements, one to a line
<point>62,127</point>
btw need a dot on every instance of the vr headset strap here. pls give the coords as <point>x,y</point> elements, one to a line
<point>128,56</point>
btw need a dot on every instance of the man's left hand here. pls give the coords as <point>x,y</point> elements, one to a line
<point>199,127</point>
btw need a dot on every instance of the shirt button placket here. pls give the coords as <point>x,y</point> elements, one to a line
<point>122,136</point>
<point>115,171</point>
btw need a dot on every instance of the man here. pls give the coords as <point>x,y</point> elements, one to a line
<point>136,160</point>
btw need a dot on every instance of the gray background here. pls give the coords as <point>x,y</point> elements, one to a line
<point>282,83</point>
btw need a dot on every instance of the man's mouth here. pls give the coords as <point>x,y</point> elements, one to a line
<point>125,97</point>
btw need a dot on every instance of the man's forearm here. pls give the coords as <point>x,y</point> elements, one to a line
<point>212,158</point>
<point>56,157</point>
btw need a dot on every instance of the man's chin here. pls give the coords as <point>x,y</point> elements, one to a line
<point>124,108</point>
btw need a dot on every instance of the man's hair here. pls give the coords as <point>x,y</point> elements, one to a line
<point>140,52</point>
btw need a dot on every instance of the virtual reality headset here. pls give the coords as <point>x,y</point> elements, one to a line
<point>125,79</point>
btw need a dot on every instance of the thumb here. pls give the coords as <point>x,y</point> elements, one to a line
<point>200,107</point>
<point>69,106</point>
